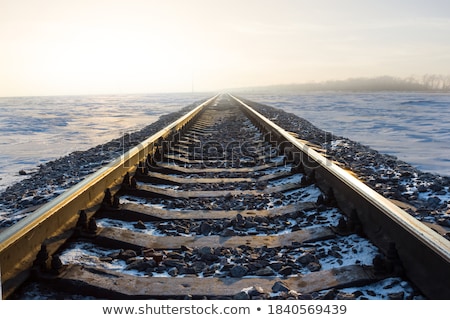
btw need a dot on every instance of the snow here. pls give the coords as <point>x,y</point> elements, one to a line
<point>87,255</point>
<point>124,225</point>
<point>415,127</point>
<point>292,179</point>
<point>35,130</point>
<point>381,289</point>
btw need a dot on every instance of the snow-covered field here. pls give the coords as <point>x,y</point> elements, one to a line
<point>415,127</point>
<point>35,130</point>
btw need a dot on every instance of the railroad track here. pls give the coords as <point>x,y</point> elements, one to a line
<point>222,203</point>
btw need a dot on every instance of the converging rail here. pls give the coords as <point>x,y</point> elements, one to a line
<point>221,202</point>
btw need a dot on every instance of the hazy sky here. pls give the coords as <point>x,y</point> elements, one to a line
<point>52,47</point>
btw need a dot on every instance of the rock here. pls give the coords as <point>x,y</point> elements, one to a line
<point>187,270</point>
<point>276,265</point>
<point>238,271</point>
<point>285,271</point>
<point>265,272</point>
<point>306,258</point>
<point>371,293</point>
<point>256,291</point>
<point>345,296</point>
<point>314,266</point>
<point>205,228</point>
<point>433,202</point>
<point>126,254</point>
<point>141,265</point>
<point>306,296</point>
<point>182,229</point>
<point>205,250</point>
<point>106,259</point>
<point>334,253</point>
<point>330,295</point>
<point>444,221</point>
<point>280,287</point>
<point>175,255</point>
<point>186,248</point>
<point>227,267</point>
<point>156,256</point>
<point>293,294</point>
<point>241,296</point>
<point>436,187</point>
<point>250,224</point>
<point>396,296</point>
<point>140,225</point>
<point>199,266</point>
<point>173,272</point>
<point>421,188</point>
<point>169,262</point>
<point>260,220</point>
<point>207,254</point>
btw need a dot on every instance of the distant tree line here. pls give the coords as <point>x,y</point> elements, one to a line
<point>435,81</point>
<point>428,82</point>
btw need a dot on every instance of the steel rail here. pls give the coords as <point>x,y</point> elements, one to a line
<point>384,222</point>
<point>20,243</point>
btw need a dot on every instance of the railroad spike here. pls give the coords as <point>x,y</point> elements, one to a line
<point>393,260</point>
<point>142,169</point>
<point>92,227</point>
<point>133,183</point>
<point>388,264</point>
<point>330,199</point>
<point>150,161</point>
<point>116,202</point>
<point>342,225</point>
<point>379,267</point>
<point>82,222</point>
<point>176,136</point>
<point>354,224</point>
<point>320,200</point>
<point>126,181</point>
<point>157,156</point>
<point>298,167</point>
<point>56,264</point>
<point>42,258</point>
<point>107,200</point>
<point>165,149</point>
<point>308,179</point>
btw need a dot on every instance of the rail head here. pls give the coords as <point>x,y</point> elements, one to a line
<point>9,235</point>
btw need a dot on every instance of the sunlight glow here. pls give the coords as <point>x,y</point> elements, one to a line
<point>100,46</point>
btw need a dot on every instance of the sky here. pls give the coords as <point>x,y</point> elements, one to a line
<point>60,47</point>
